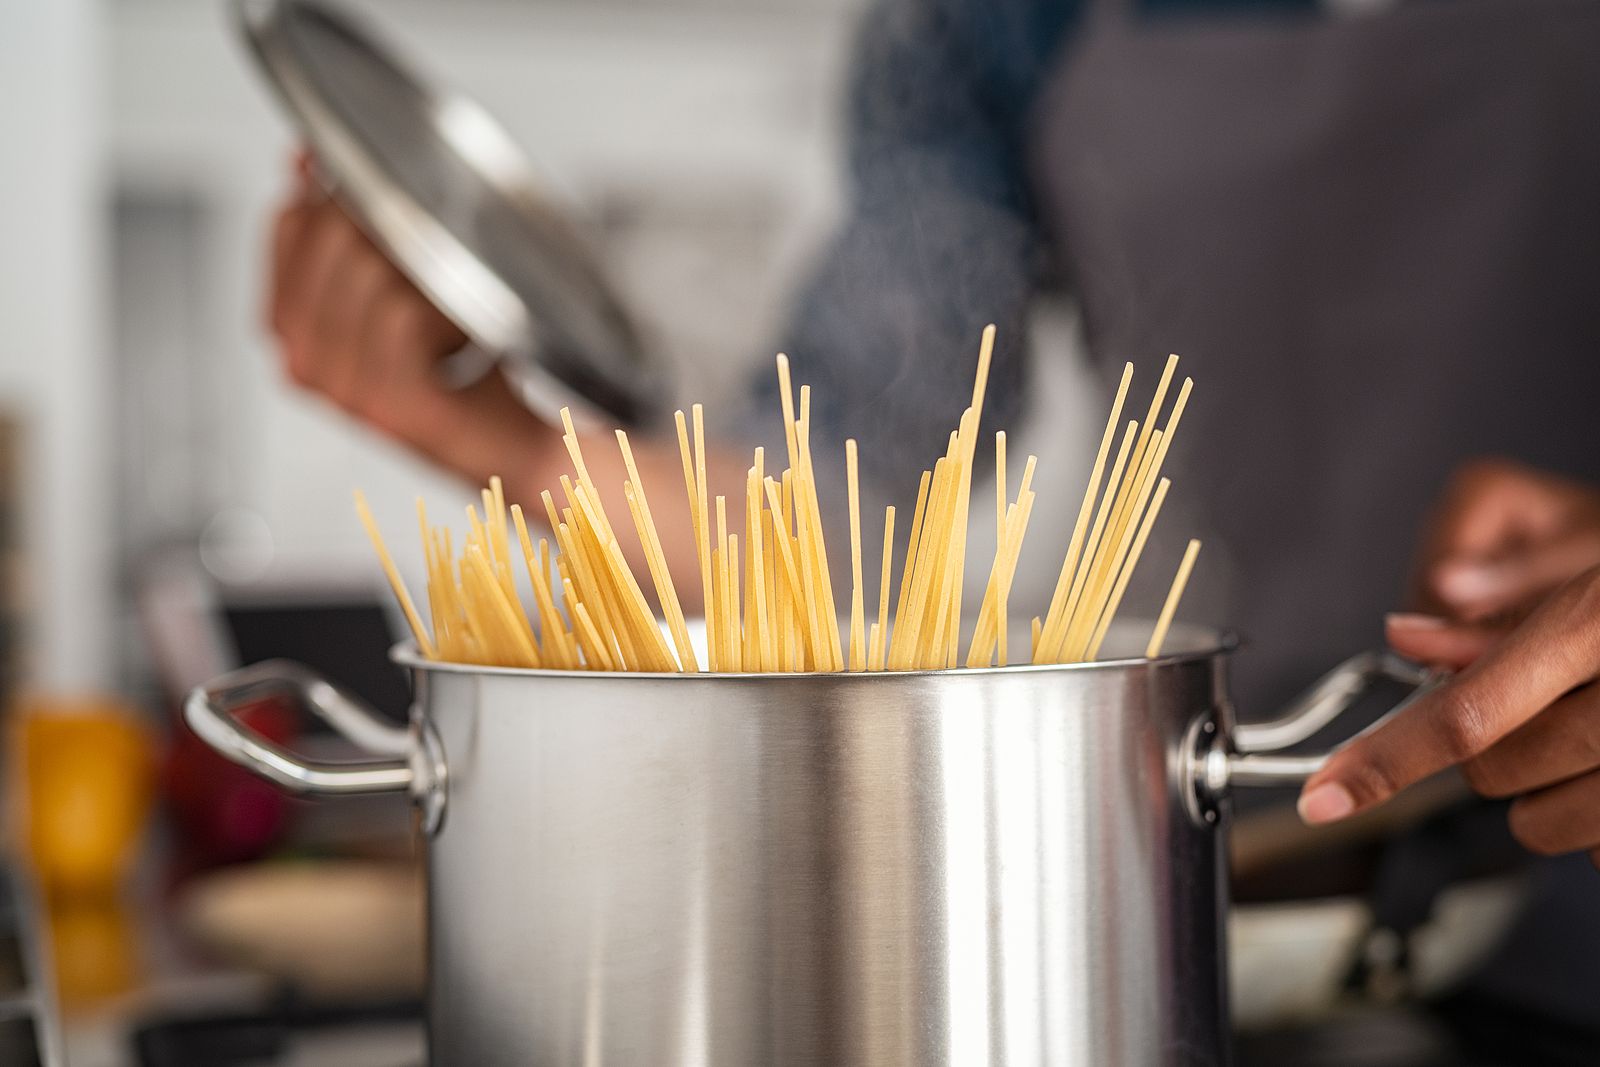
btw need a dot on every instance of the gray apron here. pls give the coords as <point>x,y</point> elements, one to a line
<point>1375,240</point>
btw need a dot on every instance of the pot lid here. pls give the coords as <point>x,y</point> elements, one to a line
<point>440,186</point>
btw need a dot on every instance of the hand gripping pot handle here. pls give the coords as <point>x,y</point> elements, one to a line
<point>1254,757</point>
<point>409,760</point>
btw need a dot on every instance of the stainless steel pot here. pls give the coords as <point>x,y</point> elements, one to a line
<point>931,869</point>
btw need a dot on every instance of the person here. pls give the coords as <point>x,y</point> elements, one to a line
<point>1509,580</point>
<point>1370,229</point>
<point>352,329</point>
<point>1516,574</point>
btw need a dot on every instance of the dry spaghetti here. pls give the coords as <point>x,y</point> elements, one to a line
<point>771,606</point>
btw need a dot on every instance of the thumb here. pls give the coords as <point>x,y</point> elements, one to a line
<point>1550,653</point>
<point>308,185</point>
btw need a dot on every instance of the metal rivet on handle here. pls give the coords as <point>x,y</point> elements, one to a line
<point>429,778</point>
<point>1203,771</point>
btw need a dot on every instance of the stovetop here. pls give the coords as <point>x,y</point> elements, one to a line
<point>1460,1032</point>
<point>1452,1033</point>
<point>288,1034</point>
<point>29,1035</point>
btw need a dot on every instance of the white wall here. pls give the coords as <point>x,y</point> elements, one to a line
<point>52,329</point>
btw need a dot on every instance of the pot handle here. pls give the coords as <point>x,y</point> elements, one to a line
<point>1254,759</point>
<point>413,762</point>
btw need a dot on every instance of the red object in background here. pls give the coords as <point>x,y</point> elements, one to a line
<point>223,813</point>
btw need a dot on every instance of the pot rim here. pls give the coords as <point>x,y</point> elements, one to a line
<point>1222,642</point>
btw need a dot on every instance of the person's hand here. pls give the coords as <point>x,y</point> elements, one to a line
<point>350,326</point>
<point>1502,536</point>
<point>352,329</point>
<point>1522,720</point>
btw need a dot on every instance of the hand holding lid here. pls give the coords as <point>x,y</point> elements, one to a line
<point>442,190</point>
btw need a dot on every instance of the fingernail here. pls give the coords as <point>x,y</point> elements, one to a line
<point>1402,620</point>
<point>1470,582</point>
<point>1329,802</point>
